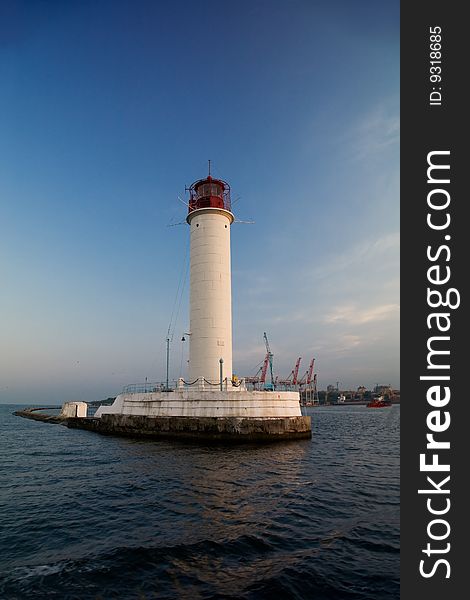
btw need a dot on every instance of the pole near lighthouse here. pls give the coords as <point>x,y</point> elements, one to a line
<point>210,312</point>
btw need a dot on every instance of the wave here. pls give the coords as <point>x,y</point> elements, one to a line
<point>244,567</point>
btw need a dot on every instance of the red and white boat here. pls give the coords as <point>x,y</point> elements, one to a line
<point>379,402</point>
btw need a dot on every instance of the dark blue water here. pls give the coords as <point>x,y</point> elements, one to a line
<point>87,516</point>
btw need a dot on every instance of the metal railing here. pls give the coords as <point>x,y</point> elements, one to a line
<point>149,387</point>
<point>143,388</point>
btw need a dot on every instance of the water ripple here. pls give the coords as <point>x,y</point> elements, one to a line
<point>88,516</point>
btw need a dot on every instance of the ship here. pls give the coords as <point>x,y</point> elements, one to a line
<point>379,402</point>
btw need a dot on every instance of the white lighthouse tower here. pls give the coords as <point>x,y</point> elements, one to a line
<point>210,405</point>
<point>210,313</point>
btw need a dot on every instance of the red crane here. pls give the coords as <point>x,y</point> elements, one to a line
<point>268,362</point>
<point>307,376</point>
<point>265,368</point>
<point>296,370</point>
<point>310,371</point>
<point>292,379</point>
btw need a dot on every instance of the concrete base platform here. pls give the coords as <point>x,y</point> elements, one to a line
<point>208,429</point>
<point>199,403</point>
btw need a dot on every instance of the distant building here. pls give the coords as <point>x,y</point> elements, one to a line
<point>383,389</point>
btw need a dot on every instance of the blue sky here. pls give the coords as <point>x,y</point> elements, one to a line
<point>109,108</point>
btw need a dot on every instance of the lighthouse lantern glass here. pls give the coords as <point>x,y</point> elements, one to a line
<point>210,189</point>
<point>209,193</point>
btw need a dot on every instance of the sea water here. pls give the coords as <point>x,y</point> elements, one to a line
<point>86,516</point>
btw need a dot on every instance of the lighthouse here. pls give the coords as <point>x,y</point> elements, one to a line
<point>210,313</point>
<point>210,406</point>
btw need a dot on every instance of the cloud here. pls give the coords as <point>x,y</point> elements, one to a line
<point>347,342</point>
<point>372,251</point>
<point>356,316</point>
<point>374,133</point>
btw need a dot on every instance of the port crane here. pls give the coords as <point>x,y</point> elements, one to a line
<point>307,398</point>
<point>260,376</point>
<point>268,361</point>
<point>256,378</point>
<point>292,380</point>
<point>307,377</point>
<point>295,372</point>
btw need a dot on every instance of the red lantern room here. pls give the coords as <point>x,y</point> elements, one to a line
<point>209,193</point>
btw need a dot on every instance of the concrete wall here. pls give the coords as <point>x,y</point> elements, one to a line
<point>74,409</point>
<point>196,403</point>
<point>205,429</point>
<point>210,294</point>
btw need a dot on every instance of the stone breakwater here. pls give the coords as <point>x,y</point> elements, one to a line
<point>36,414</point>
<point>226,429</point>
<point>207,429</point>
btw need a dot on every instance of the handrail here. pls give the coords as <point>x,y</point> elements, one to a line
<point>142,388</point>
<point>149,387</point>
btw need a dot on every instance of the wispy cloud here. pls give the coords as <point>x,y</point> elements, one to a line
<point>347,342</point>
<point>358,254</point>
<point>374,133</point>
<point>356,316</point>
